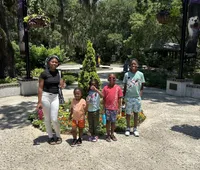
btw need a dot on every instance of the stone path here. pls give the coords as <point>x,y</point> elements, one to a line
<point>169,139</point>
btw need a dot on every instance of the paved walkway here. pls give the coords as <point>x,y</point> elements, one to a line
<point>169,139</point>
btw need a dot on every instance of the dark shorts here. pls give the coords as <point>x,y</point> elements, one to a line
<point>111,115</point>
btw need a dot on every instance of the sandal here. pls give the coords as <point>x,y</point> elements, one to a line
<point>58,140</point>
<point>74,142</point>
<point>108,138</point>
<point>113,137</point>
<point>51,141</point>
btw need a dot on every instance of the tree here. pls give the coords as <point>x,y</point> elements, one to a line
<point>6,50</point>
<point>89,69</point>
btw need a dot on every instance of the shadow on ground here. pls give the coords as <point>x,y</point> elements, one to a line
<point>192,131</point>
<point>40,139</point>
<point>15,116</point>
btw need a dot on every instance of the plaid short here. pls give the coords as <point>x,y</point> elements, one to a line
<point>133,105</point>
<point>111,115</point>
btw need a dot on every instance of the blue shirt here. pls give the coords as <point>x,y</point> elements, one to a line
<point>93,100</point>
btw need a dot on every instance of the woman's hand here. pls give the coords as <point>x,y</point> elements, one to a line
<point>39,106</point>
<point>62,84</point>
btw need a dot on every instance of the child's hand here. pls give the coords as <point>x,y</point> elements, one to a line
<point>93,88</point>
<point>118,111</point>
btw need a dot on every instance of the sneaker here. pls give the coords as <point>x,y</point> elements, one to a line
<point>127,133</point>
<point>108,139</point>
<point>58,140</point>
<point>113,137</point>
<point>79,141</point>
<point>51,141</point>
<point>74,142</point>
<point>90,138</point>
<point>136,133</point>
<point>95,139</point>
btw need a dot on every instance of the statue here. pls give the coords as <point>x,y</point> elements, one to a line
<point>193,35</point>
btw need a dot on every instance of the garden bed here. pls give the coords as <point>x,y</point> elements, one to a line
<point>65,124</point>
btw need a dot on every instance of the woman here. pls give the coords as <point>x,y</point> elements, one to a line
<point>48,101</point>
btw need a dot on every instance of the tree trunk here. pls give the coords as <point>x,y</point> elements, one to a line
<point>6,50</point>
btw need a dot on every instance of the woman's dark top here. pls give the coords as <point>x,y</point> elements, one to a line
<point>51,81</point>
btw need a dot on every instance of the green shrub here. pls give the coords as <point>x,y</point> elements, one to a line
<point>196,78</point>
<point>69,79</point>
<point>89,69</point>
<point>8,80</point>
<point>36,72</point>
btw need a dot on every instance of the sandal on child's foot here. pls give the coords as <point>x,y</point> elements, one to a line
<point>79,142</point>
<point>74,142</point>
<point>113,137</point>
<point>108,138</point>
<point>51,141</point>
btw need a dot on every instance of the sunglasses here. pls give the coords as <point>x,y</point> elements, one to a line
<point>112,78</point>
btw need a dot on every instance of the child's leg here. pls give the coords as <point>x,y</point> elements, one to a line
<point>108,127</point>
<point>112,128</point>
<point>96,122</point>
<point>128,121</point>
<point>135,120</point>
<point>90,122</point>
<point>74,132</point>
<point>80,132</point>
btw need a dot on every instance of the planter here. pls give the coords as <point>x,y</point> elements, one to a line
<point>28,87</point>
<point>177,87</point>
<point>10,89</point>
<point>163,17</point>
<point>37,21</point>
<point>193,90</point>
<point>183,88</point>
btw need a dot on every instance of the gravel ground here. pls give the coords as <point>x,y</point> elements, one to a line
<point>169,139</point>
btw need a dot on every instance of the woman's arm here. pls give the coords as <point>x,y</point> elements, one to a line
<point>62,83</point>
<point>40,89</point>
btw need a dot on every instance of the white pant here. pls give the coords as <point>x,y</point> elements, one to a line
<point>50,103</point>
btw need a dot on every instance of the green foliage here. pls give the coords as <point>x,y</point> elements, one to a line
<point>155,78</point>
<point>69,79</point>
<point>36,72</point>
<point>38,55</point>
<point>19,61</point>
<point>8,80</point>
<point>89,69</point>
<point>196,78</point>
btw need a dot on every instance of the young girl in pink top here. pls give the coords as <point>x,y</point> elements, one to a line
<point>77,115</point>
<point>112,94</point>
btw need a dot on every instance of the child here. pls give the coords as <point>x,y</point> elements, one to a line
<point>133,88</point>
<point>112,94</point>
<point>77,115</point>
<point>93,102</point>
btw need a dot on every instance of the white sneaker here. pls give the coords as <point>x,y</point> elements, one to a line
<point>136,133</point>
<point>127,133</point>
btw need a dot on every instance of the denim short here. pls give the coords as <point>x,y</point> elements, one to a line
<point>111,115</point>
<point>133,105</point>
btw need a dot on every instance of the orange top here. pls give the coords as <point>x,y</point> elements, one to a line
<point>78,109</point>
